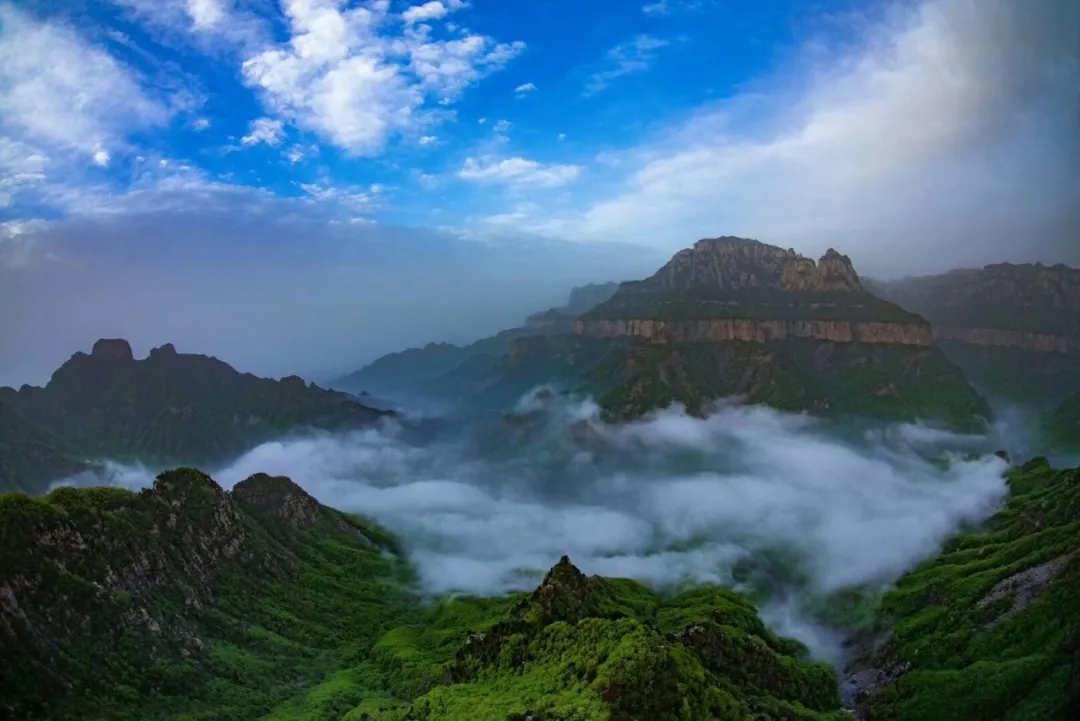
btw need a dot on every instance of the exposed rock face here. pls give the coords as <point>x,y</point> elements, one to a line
<point>280,498</point>
<point>718,330</point>
<point>1027,306</point>
<point>731,263</point>
<point>115,349</point>
<point>1014,329</point>
<point>1040,342</point>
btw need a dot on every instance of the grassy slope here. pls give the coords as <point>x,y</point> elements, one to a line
<point>321,622</point>
<point>976,656</point>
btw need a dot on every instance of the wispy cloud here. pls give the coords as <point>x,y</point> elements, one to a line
<point>632,56</point>
<point>950,121</point>
<point>517,171</point>
<point>525,88</point>
<point>264,130</point>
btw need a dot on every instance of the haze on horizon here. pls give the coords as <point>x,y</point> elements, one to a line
<point>191,178</point>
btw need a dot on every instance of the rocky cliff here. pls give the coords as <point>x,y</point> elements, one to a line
<point>759,331</point>
<point>164,409</point>
<point>1014,329</point>
<point>727,289</point>
<point>188,601</point>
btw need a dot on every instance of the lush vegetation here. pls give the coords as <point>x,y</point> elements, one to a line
<point>185,602</point>
<point>990,628</point>
<point>837,379</point>
<point>1030,378</point>
<point>702,303</point>
<point>165,409</point>
<point>1063,424</point>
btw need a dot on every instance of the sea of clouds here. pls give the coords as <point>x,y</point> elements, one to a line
<point>669,499</point>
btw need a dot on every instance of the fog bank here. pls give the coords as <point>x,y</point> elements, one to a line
<point>669,500</point>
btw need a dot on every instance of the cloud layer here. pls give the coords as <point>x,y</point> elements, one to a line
<point>668,500</point>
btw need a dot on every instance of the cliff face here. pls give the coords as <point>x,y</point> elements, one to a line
<point>714,331</point>
<point>168,408</point>
<point>1014,329</point>
<point>1034,300</point>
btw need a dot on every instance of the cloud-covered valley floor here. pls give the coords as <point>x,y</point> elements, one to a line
<point>669,500</point>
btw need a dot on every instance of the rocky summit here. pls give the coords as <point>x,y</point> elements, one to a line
<point>1014,329</point>
<point>164,409</point>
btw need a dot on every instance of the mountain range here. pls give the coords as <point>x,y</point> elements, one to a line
<point>189,601</point>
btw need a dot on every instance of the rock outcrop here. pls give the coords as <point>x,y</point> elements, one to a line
<point>731,263</point>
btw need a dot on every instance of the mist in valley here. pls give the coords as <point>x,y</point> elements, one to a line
<point>782,506</point>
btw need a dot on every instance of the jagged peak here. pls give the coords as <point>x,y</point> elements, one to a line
<point>164,351</point>
<point>181,485</point>
<point>733,263</point>
<point>279,497</point>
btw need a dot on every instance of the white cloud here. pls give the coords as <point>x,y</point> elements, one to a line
<point>205,13</point>
<point>481,121</point>
<point>952,132</point>
<point>355,198</point>
<point>265,130</point>
<point>517,171</point>
<point>102,157</point>
<point>525,88</point>
<point>201,124</point>
<point>433,10</point>
<point>502,126</point>
<point>59,92</point>
<point>656,8</point>
<point>632,56</point>
<point>211,24</point>
<point>428,140</point>
<point>562,136</point>
<point>355,78</point>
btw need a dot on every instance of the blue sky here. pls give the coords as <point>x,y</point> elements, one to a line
<point>592,138</point>
<point>429,114</point>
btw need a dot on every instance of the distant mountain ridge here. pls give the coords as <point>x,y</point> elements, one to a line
<point>169,407</point>
<point>1014,329</point>
<point>419,369</point>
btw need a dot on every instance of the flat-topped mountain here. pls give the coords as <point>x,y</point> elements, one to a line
<point>1014,329</point>
<point>167,408</point>
<point>738,289</point>
<point>735,317</point>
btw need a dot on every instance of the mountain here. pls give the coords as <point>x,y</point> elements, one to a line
<point>185,601</point>
<point>167,408</point>
<point>990,627</point>
<point>421,370</point>
<point>1014,329</point>
<point>737,317</point>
